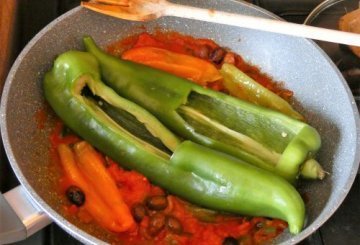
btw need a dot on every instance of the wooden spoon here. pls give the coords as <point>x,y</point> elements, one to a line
<point>144,10</point>
<point>351,23</point>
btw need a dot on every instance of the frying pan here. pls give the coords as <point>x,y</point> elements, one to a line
<point>321,94</point>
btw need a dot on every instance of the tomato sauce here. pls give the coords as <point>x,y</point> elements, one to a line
<point>40,117</point>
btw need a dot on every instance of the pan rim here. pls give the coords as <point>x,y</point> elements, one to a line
<point>72,229</point>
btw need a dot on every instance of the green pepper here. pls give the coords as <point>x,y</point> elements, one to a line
<point>201,175</point>
<point>257,135</point>
<point>244,87</point>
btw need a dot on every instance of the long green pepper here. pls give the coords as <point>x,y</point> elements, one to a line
<point>203,176</point>
<point>257,135</point>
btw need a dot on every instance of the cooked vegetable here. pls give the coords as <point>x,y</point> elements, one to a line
<point>258,135</point>
<point>202,48</point>
<point>244,87</point>
<point>92,166</point>
<point>93,203</point>
<point>194,172</point>
<point>182,65</point>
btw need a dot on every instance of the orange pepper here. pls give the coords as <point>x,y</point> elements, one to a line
<point>93,203</point>
<point>91,164</point>
<point>182,65</point>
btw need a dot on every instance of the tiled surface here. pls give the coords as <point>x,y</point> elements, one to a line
<point>343,227</point>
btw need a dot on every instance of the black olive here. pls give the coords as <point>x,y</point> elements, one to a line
<point>230,241</point>
<point>217,55</point>
<point>174,225</point>
<point>139,212</point>
<point>156,224</point>
<point>157,202</point>
<point>75,195</point>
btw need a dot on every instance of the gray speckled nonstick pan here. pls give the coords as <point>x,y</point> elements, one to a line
<point>321,94</point>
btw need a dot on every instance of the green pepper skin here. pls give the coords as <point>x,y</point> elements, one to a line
<point>242,86</point>
<point>203,176</point>
<point>232,177</point>
<point>288,146</point>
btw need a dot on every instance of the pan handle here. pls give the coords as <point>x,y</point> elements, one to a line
<point>20,217</point>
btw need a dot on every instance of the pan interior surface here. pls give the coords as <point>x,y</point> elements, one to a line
<point>321,95</point>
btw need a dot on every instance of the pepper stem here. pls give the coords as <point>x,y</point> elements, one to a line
<point>311,169</point>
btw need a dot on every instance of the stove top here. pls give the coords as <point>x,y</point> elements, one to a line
<point>343,226</point>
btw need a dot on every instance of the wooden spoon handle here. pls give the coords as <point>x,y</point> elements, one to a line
<point>262,24</point>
